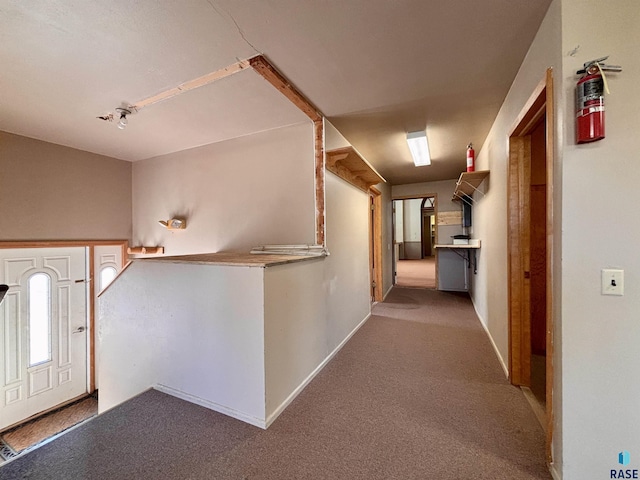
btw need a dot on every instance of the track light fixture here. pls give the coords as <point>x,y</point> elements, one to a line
<point>122,123</point>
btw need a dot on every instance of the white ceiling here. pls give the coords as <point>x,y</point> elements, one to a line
<point>377,69</point>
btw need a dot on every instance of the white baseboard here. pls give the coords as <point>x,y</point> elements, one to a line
<point>495,347</point>
<point>271,418</point>
<point>258,422</point>
<point>388,292</point>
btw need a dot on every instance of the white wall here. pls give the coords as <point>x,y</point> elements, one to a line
<point>412,220</point>
<point>412,225</point>
<point>310,310</point>
<point>347,266</point>
<point>600,334</point>
<point>195,330</point>
<point>297,330</point>
<point>52,192</point>
<point>249,191</point>
<point>313,308</point>
<point>399,221</point>
<point>339,193</point>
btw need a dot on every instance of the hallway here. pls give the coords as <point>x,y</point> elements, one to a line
<point>417,393</point>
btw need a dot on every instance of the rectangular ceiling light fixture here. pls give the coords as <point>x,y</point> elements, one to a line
<point>419,148</point>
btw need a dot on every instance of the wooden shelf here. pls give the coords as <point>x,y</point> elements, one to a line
<point>350,166</point>
<point>468,183</point>
<point>145,250</point>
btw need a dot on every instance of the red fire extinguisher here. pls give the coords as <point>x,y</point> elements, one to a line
<point>471,158</point>
<point>590,100</point>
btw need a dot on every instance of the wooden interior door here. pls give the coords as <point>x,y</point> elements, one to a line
<point>427,235</point>
<point>538,240</point>
<point>43,339</point>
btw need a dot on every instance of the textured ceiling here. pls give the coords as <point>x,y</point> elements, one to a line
<point>377,69</point>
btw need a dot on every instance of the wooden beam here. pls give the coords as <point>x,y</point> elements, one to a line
<point>262,66</point>
<point>192,84</point>
<point>318,128</point>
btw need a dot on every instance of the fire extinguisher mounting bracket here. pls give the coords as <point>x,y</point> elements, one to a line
<point>592,66</point>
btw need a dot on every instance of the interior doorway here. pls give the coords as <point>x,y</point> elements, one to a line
<point>414,240</point>
<point>530,240</point>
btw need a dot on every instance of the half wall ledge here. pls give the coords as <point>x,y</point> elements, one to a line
<point>233,259</point>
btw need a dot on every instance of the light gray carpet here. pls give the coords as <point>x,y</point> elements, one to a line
<point>417,393</point>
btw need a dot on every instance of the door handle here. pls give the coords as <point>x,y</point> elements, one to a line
<point>79,330</point>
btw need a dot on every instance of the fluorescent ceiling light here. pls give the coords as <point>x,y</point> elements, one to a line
<point>419,148</point>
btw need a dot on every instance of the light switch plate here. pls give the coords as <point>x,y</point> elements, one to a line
<point>612,281</point>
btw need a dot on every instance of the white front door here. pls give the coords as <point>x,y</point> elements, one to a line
<point>43,330</point>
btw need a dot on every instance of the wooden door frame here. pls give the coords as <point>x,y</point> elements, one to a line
<point>375,253</point>
<point>90,245</point>
<point>435,212</point>
<point>540,104</point>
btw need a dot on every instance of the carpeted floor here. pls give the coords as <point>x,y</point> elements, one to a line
<point>416,273</point>
<point>417,393</point>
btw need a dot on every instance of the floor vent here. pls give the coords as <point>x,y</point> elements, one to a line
<point>6,452</point>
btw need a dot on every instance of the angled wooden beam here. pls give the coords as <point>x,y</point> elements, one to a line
<point>193,84</point>
<point>262,66</point>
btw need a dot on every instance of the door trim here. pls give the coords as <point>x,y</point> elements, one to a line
<point>540,103</point>
<point>376,255</point>
<point>90,245</point>
<point>393,231</point>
